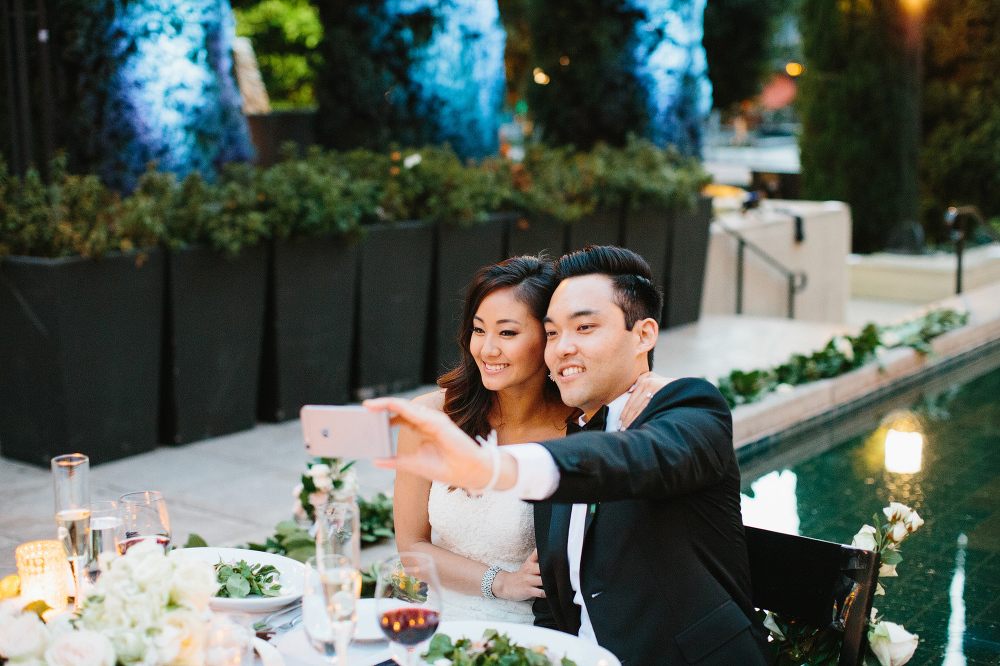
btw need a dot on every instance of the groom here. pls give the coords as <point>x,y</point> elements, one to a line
<point>639,533</point>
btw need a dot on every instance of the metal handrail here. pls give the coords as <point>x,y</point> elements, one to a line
<point>796,279</point>
<point>955,218</point>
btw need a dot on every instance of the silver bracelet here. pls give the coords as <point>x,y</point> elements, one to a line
<point>487,584</point>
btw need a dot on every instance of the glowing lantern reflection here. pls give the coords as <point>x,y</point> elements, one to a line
<point>904,444</point>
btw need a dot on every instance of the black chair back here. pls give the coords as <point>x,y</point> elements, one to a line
<point>817,582</point>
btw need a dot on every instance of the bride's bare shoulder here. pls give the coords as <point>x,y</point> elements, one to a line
<point>434,400</point>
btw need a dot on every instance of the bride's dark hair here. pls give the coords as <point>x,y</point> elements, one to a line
<point>466,400</point>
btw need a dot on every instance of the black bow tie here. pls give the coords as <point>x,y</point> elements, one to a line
<point>598,422</point>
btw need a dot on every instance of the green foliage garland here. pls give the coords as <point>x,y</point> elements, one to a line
<point>841,355</point>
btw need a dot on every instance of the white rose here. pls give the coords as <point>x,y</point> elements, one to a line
<point>194,583</point>
<point>12,608</point>
<point>898,531</point>
<point>865,538</point>
<point>887,571</point>
<point>896,511</point>
<point>323,482</point>
<point>319,469</point>
<point>891,643</point>
<point>298,511</point>
<point>317,498</point>
<point>844,346</point>
<point>913,521</point>
<point>182,639</point>
<point>412,160</point>
<point>81,648</point>
<point>784,388</point>
<point>23,637</point>
<point>297,490</point>
<point>889,339</point>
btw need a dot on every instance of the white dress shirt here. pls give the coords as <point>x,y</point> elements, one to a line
<point>537,478</point>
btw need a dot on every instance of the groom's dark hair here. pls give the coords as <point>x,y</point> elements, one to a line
<point>631,279</point>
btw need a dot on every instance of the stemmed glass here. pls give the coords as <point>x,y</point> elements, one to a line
<point>338,531</point>
<point>143,516</point>
<point>329,605</point>
<point>70,475</point>
<point>408,601</point>
<point>104,522</point>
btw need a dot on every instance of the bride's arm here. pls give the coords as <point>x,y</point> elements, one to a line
<point>413,532</point>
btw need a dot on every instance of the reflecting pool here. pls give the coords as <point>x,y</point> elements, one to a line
<point>935,448</point>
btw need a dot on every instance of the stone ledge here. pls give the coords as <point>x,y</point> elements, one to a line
<point>767,419</point>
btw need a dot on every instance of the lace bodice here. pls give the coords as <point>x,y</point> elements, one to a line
<point>496,529</point>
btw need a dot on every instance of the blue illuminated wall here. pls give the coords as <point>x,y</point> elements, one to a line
<point>460,73</point>
<point>673,66</point>
<point>155,84</point>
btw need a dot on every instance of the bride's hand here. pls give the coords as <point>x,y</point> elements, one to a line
<point>642,392</point>
<point>520,585</point>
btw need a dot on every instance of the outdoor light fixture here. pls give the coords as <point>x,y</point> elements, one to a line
<point>904,444</point>
<point>793,69</point>
<point>540,76</point>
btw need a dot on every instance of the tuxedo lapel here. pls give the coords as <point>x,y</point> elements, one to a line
<point>558,538</point>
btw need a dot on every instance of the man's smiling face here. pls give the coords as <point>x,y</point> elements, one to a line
<point>592,356</point>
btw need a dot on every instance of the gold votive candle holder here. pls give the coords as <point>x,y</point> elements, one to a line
<point>44,573</point>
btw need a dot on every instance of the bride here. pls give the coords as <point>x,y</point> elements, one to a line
<point>484,547</point>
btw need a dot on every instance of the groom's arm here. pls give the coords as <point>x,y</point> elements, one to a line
<point>684,443</point>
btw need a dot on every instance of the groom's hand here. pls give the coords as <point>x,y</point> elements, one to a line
<point>445,452</point>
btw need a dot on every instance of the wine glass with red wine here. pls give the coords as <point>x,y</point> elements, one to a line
<point>143,516</point>
<point>408,601</point>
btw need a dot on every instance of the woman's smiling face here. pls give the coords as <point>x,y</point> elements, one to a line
<point>507,341</point>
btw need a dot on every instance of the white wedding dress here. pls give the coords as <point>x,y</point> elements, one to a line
<point>496,529</point>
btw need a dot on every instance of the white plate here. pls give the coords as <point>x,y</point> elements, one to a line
<point>584,653</point>
<point>291,577</point>
<point>367,629</point>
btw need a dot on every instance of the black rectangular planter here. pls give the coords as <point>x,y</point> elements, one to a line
<point>212,341</point>
<point>461,251</point>
<point>603,226</point>
<point>309,327</point>
<point>79,355</point>
<point>686,268</point>
<point>531,234</point>
<point>647,231</point>
<point>394,295</point>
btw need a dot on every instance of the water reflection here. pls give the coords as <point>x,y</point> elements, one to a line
<point>903,451</point>
<point>953,652</point>
<point>772,503</point>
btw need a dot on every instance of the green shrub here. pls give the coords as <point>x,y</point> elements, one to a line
<point>314,196</point>
<point>70,215</point>
<point>641,173</point>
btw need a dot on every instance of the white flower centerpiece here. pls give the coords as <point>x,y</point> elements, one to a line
<point>146,609</point>
<point>325,480</point>
<point>889,644</point>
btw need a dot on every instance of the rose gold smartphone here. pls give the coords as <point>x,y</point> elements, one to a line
<point>334,431</point>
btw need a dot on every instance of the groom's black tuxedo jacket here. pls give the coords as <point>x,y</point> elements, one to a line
<point>664,571</point>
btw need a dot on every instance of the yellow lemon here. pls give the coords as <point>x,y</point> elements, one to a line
<point>10,586</point>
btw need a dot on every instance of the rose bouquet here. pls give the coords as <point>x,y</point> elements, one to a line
<point>889,644</point>
<point>326,480</point>
<point>147,609</point>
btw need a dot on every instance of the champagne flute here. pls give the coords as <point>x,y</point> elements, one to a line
<point>338,531</point>
<point>143,516</point>
<point>104,522</point>
<point>70,474</point>
<point>329,605</point>
<point>408,601</point>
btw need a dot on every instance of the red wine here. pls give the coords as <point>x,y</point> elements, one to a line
<point>409,626</point>
<point>131,541</point>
